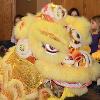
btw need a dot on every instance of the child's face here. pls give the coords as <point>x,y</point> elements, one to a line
<point>74,13</point>
<point>94,25</point>
<point>17,20</point>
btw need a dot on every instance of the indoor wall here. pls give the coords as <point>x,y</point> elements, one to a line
<point>9,8</point>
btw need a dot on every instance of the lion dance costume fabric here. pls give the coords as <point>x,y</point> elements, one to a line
<point>51,59</point>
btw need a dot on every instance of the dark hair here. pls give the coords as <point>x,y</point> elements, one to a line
<point>73,9</point>
<point>17,16</point>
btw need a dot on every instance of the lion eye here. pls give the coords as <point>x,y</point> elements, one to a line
<point>50,49</point>
<point>76,35</point>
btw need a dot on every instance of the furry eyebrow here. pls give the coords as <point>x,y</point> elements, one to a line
<point>51,35</point>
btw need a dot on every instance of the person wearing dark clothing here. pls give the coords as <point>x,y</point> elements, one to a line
<point>95,42</point>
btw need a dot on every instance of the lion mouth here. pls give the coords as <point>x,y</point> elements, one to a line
<point>72,84</point>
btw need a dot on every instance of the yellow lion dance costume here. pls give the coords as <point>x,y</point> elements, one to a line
<point>51,60</point>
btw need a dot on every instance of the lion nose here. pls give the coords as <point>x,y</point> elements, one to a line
<point>78,59</point>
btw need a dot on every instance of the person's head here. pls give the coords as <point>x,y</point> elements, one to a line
<point>95,23</point>
<point>73,12</point>
<point>17,18</point>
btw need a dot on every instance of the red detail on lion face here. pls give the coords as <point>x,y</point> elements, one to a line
<point>32,59</point>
